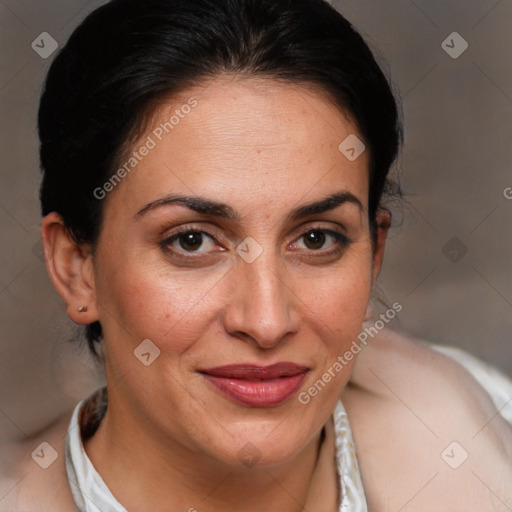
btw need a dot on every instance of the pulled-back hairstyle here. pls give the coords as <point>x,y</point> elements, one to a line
<point>128,55</point>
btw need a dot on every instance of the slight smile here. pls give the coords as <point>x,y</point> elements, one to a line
<point>257,386</point>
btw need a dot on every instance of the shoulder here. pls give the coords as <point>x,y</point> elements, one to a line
<point>426,432</point>
<point>33,474</point>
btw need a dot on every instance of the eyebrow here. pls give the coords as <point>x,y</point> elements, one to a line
<point>216,209</point>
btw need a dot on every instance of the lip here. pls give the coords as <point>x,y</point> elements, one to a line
<point>257,386</point>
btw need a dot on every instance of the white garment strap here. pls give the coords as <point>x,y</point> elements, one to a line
<point>90,492</point>
<point>353,498</point>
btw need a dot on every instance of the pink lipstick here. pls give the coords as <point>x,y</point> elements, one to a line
<point>257,386</point>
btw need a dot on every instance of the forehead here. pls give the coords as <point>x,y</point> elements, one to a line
<point>232,136</point>
<point>248,113</point>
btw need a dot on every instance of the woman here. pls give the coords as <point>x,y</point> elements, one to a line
<point>214,176</point>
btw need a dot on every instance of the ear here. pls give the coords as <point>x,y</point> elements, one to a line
<point>71,269</point>
<point>383,223</point>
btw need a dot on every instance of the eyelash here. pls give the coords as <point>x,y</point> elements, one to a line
<point>341,242</point>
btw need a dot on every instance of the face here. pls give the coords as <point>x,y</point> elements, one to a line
<point>219,246</point>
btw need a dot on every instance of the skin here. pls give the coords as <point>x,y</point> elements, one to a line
<point>171,442</point>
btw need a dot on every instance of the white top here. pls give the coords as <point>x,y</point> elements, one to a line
<point>92,495</point>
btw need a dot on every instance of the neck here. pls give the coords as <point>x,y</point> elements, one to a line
<point>147,472</point>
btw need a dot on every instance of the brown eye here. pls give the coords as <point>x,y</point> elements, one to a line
<point>191,241</point>
<point>321,241</point>
<point>314,239</point>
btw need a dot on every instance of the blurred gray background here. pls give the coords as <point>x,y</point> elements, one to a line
<point>449,257</point>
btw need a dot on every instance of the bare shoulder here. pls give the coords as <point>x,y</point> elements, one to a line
<point>33,473</point>
<point>428,436</point>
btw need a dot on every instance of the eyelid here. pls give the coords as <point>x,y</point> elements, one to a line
<point>321,227</point>
<point>168,240</point>
<point>187,228</point>
<point>341,240</point>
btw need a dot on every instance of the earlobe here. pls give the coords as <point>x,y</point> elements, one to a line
<point>383,224</point>
<point>71,271</point>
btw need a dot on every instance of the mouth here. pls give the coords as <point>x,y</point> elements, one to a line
<point>257,386</point>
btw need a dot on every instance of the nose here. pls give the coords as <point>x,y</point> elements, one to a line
<point>262,308</point>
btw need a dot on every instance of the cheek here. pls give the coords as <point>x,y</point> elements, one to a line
<point>343,314</point>
<point>340,298</point>
<point>138,302</point>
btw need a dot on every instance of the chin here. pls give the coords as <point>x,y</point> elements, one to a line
<point>254,445</point>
